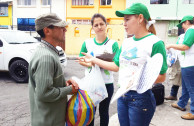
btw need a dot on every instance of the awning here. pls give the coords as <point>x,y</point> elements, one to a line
<point>3,4</point>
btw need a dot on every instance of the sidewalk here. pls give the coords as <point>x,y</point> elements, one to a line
<point>71,57</point>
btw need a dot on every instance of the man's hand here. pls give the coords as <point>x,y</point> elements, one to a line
<point>74,90</point>
<point>74,85</point>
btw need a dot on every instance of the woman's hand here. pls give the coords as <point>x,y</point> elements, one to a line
<point>86,58</point>
<point>168,46</point>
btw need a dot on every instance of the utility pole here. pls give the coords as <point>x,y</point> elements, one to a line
<point>50,6</point>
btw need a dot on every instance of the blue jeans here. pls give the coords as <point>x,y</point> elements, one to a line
<point>136,109</point>
<point>187,88</point>
<point>104,107</point>
<point>174,90</point>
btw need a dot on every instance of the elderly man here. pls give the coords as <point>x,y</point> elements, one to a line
<point>47,87</point>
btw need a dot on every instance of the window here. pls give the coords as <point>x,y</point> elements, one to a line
<point>159,1</point>
<point>3,11</point>
<point>81,22</point>
<point>26,24</point>
<point>82,2</point>
<point>46,2</point>
<point>26,2</point>
<point>188,1</point>
<point>105,2</point>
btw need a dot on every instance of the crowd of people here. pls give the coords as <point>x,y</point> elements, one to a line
<point>48,89</point>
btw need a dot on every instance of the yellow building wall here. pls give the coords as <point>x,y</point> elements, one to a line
<point>81,11</point>
<point>109,12</point>
<point>73,44</point>
<point>7,20</point>
<point>74,41</point>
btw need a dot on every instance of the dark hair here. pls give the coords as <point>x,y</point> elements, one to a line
<point>41,32</point>
<point>97,15</point>
<point>191,21</point>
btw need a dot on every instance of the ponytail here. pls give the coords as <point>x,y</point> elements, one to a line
<point>152,28</point>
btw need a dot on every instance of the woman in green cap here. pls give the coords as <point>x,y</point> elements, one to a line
<point>135,109</point>
<point>187,66</point>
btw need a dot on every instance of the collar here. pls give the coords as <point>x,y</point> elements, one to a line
<point>50,46</point>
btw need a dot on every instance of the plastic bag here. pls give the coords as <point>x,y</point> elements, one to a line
<point>80,110</point>
<point>171,57</point>
<point>94,84</point>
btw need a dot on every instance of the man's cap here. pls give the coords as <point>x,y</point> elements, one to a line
<point>46,20</point>
<point>136,8</point>
<point>185,18</point>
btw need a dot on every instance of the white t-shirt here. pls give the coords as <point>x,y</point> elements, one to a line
<point>133,55</point>
<point>94,48</point>
<point>187,56</point>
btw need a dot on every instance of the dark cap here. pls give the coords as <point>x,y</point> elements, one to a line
<point>46,20</point>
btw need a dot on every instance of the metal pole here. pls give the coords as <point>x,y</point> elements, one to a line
<point>50,5</point>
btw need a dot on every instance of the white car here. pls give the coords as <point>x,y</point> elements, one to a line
<point>16,48</point>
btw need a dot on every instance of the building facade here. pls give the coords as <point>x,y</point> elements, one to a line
<point>167,14</point>
<point>21,15</point>
<point>79,14</point>
<point>6,20</point>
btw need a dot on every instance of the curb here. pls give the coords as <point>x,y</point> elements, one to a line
<point>72,57</point>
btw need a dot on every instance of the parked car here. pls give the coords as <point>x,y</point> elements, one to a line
<point>16,48</point>
<point>62,57</point>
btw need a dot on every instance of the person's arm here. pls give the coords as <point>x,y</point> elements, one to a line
<point>160,48</point>
<point>43,76</point>
<point>180,47</point>
<point>101,63</point>
<point>112,66</point>
<point>161,78</point>
<point>187,42</point>
<point>84,49</point>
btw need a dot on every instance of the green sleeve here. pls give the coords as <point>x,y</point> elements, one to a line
<point>189,38</point>
<point>160,48</point>
<point>44,74</point>
<point>117,55</point>
<point>115,47</point>
<point>83,49</point>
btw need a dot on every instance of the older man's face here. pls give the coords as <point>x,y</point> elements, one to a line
<point>58,33</point>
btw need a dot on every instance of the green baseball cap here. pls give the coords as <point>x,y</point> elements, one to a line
<point>185,18</point>
<point>136,8</point>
